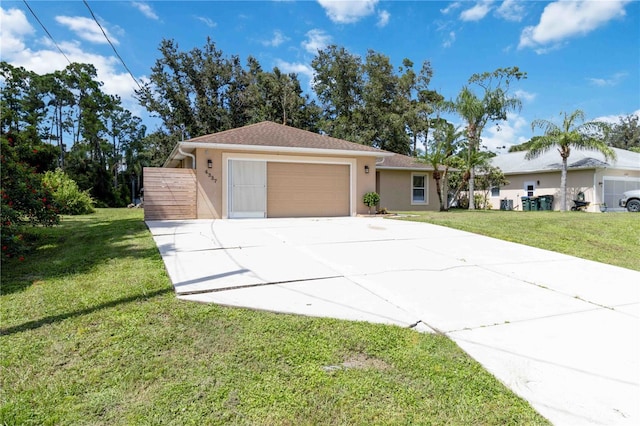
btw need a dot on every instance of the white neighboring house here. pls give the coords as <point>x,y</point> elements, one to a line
<point>600,181</point>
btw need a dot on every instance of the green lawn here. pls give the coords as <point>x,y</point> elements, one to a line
<point>612,238</point>
<point>93,334</point>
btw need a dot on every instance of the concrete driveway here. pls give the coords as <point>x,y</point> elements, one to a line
<point>562,332</point>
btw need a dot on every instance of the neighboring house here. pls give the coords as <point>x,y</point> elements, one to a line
<point>271,170</point>
<point>601,181</point>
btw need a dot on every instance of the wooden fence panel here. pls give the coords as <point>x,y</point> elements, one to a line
<point>169,194</point>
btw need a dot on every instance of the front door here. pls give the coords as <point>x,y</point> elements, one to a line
<point>247,189</point>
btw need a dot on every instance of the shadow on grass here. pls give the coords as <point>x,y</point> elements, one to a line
<point>32,325</point>
<point>76,246</point>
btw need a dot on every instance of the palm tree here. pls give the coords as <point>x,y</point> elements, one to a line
<point>446,144</point>
<point>587,136</point>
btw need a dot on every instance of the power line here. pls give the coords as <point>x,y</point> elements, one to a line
<point>111,44</point>
<point>45,30</point>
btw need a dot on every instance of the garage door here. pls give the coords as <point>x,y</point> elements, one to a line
<point>614,187</point>
<point>306,190</point>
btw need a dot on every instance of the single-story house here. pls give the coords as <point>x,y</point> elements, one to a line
<point>601,181</point>
<point>272,170</point>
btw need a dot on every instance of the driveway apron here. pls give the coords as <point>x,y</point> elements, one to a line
<point>561,332</point>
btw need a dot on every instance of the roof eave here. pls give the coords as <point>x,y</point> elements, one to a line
<point>186,145</point>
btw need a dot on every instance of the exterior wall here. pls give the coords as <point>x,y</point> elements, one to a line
<point>365,182</point>
<point>210,182</point>
<point>212,189</point>
<point>549,184</point>
<point>396,186</point>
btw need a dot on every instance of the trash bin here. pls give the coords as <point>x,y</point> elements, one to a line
<point>533,203</point>
<point>546,202</point>
<point>506,204</point>
<point>526,204</point>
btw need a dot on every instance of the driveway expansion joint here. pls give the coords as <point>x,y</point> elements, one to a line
<point>240,287</point>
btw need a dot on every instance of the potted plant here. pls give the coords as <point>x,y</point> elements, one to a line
<point>371,199</point>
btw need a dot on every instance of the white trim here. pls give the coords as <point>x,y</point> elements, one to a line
<point>351,162</point>
<point>426,189</point>
<point>176,156</point>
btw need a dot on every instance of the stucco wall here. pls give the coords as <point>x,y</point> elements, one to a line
<point>395,189</point>
<point>211,189</point>
<point>549,184</point>
<point>366,182</point>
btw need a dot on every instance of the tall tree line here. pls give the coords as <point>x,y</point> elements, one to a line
<point>66,121</point>
<point>368,101</point>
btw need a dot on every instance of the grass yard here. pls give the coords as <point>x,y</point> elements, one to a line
<point>612,238</point>
<point>92,333</point>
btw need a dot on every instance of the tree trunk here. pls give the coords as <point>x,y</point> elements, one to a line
<point>438,179</point>
<point>563,186</point>
<point>472,176</point>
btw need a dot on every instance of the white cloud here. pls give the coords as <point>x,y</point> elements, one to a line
<point>295,67</point>
<point>611,81</point>
<point>316,40</point>
<point>207,21</point>
<point>348,11</point>
<point>86,29</point>
<point>511,10</point>
<point>383,18</point>
<point>615,119</point>
<point>509,132</point>
<point>450,8</point>
<point>525,96</point>
<point>46,59</point>
<point>277,39</point>
<point>145,9</point>
<point>13,28</point>
<point>477,12</point>
<point>450,39</point>
<point>565,19</point>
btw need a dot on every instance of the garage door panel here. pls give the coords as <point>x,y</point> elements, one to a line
<point>304,190</point>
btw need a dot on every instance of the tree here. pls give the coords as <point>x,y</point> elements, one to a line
<point>446,143</point>
<point>338,83</point>
<point>488,177</point>
<point>492,105</point>
<point>626,133</point>
<point>587,136</point>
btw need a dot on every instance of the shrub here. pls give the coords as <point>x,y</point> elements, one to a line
<point>25,200</point>
<point>70,199</point>
<point>371,199</point>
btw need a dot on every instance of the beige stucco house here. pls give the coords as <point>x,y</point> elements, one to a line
<point>601,181</point>
<point>271,170</point>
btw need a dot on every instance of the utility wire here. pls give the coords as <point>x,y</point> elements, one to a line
<point>111,44</point>
<point>46,30</point>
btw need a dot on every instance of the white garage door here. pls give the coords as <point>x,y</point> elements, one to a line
<point>614,187</point>
<point>247,188</point>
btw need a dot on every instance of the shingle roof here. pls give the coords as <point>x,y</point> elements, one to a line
<point>515,162</point>
<point>271,134</point>
<point>399,161</point>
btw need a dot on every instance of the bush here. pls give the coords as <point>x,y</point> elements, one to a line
<point>25,200</point>
<point>70,199</point>
<point>371,199</point>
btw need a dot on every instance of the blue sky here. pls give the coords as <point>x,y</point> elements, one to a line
<point>578,54</point>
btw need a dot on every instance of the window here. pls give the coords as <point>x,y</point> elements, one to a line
<point>495,191</point>
<point>419,189</point>
<point>529,187</point>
